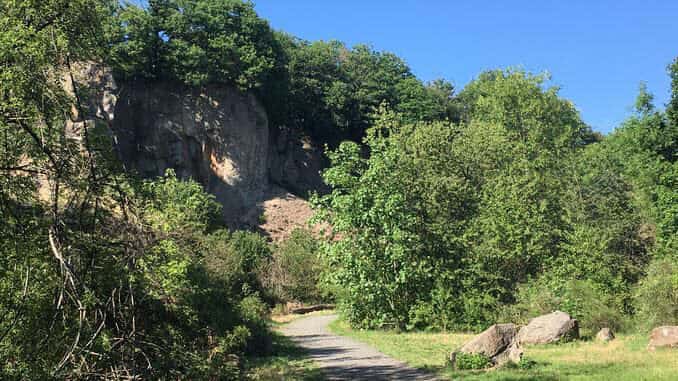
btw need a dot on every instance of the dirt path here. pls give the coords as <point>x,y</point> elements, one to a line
<point>342,358</point>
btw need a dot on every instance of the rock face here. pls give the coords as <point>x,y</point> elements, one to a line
<point>295,162</point>
<point>215,135</point>
<point>664,337</point>
<point>553,327</point>
<point>497,342</point>
<point>605,335</point>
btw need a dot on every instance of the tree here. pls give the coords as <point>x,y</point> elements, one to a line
<point>194,41</point>
<point>347,86</point>
<point>102,275</point>
<point>440,222</point>
<point>672,108</point>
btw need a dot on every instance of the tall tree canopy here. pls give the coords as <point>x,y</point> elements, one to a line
<point>194,41</point>
<point>443,221</point>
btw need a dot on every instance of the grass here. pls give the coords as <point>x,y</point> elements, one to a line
<point>287,362</point>
<point>624,359</point>
<point>281,319</point>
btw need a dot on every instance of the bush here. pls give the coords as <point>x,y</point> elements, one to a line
<point>656,297</point>
<point>592,307</point>
<point>467,361</point>
<point>296,269</point>
<point>442,312</point>
<point>253,311</point>
<point>236,259</point>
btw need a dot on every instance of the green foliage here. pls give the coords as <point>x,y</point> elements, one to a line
<point>530,112</point>
<point>295,272</point>
<point>644,151</point>
<point>672,108</point>
<point>236,259</point>
<point>180,207</point>
<point>442,221</point>
<point>253,312</point>
<point>450,207</point>
<point>469,211</point>
<point>471,361</point>
<point>384,265</point>
<point>203,287</point>
<point>135,46</point>
<point>193,41</point>
<point>323,89</point>
<point>527,364</point>
<point>331,91</point>
<point>656,297</point>
<point>592,306</point>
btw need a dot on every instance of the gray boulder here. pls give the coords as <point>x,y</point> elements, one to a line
<point>605,335</point>
<point>497,343</point>
<point>549,328</point>
<point>664,337</point>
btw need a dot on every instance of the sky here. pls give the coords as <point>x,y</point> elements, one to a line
<point>597,51</point>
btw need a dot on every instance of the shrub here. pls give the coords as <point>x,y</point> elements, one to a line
<point>296,269</point>
<point>656,297</point>
<point>584,301</point>
<point>445,306</point>
<point>179,207</point>
<point>236,259</point>
<point>253,311</point>
<point>526,363</point>
<point>467,361</point>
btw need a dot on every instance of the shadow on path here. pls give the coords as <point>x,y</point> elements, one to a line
<point>341,358</point>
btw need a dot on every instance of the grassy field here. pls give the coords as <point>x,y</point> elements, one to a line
<point>625,358</point>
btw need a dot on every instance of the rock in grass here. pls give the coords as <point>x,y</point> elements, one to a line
<point>605,335</point>
<point>496,343</point>
<point>664,337</point>
<point>549,328</point>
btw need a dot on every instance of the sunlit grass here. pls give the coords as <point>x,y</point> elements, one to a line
<point>625,358</point>
<point>281,319</point>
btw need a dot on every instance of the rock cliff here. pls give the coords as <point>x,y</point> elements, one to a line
<point>215,135</point>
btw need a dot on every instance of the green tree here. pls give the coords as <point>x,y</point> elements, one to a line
<point>194,41</point>
<point>442,221</point>
<point>347,86</point>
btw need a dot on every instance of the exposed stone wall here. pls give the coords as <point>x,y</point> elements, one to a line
<point>215,135</point>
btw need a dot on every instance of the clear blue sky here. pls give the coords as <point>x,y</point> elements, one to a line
<point>597,51</point>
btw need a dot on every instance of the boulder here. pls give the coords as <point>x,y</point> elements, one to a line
<point>549,328</point>
<point>497,343</point>
<point>514,353</point>
<point>664,337</point>
<point>605,335</point>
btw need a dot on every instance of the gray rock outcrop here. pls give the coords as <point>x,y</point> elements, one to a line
<point>549,328</point>
<point>664,337</point>
<point>497,343</point>
<point>215,135</point>
<point>605,335</point>
<point>295,162</point>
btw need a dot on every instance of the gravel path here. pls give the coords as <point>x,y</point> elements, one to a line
<point>341,358</point>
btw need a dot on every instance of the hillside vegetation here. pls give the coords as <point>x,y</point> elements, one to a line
<point>449,208</point>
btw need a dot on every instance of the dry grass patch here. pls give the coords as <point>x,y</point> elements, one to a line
<point>279,319</point>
